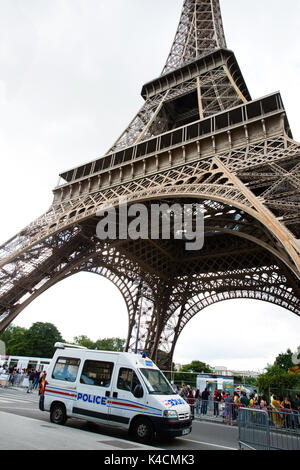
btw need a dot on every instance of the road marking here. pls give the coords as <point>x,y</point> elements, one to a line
<point>9,400</point>
<point>208,444</point>
<point>21,399</point>
<point>17,408</point>
<point>214,423</point>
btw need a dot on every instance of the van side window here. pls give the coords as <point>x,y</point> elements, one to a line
<point>127,379</point>
<point>66,368</point>
<point>97,373</point>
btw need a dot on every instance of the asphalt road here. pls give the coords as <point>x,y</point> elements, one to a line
<point>204,436</point>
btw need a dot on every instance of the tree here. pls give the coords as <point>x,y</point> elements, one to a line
<point>106,344</point>
<point>284,360</point>
<point>37,341</point>
<point>84,341</point>
<point>188,372</point>
<point>5,337</point>
<point>196,366</point>
<point>277,376</point>
<point>42,337</point>
<point>110,344</point>
<point>16,341</point>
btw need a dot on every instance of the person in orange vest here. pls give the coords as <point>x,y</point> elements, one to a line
<point>43,383</point>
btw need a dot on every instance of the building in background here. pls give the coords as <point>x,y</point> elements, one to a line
<point>212,381</point>
<point>221,370</point>
<point>21,362</point>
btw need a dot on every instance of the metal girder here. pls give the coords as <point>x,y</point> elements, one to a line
<point>199,32</point>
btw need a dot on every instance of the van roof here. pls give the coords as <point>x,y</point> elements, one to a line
<point>96,351</point>
<point>69,348</point>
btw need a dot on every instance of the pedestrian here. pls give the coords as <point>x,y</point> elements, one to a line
<point>42,383</point>
<point>263,404</point>
<point>183,391</point>
<point>235,408</point>
<point>287,408</point>
<point>297,409</point>
<point>251,401</point>
<point>297,403</point>
<point>217,399</point>
<point>228,408</point>
<point>244,400</point>
<point>204,396</point>
<point>36,379</point>
<point>197,401</point>
<point>31,381</point>
<point>12,377</point>
<point>276,407</point>
<point>42,387</point>
<point>191,402</point>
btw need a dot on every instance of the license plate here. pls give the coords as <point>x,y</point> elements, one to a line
<point>186,431</point>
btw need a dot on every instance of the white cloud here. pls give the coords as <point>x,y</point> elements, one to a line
<point>238,334</point>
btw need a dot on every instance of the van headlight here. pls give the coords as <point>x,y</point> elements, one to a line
<point>170,414</point>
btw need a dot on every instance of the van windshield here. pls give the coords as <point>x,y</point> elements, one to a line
<point>156,382</point>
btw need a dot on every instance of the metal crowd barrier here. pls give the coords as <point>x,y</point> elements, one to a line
<point>16,380</point>
<point>214,410</point>
<point>269,429</point>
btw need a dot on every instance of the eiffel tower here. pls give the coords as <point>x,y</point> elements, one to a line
<point>199,137</point>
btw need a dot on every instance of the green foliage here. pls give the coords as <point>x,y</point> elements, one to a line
<point>284,361</point>
<point>196,366</point>
<point>37,341</point>
<point>84,341</point>
<point>277,376</point>
<point>16,341</point>
<point>106,344</point>
<point>247,380</point>
<point>42,337</point>
<point>110,344</point>
<point>188,373</point>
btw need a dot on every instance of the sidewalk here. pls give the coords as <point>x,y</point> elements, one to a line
<point>22,433</point>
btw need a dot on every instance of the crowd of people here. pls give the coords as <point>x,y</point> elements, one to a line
<point>36,378</point>
<point>284,411</point>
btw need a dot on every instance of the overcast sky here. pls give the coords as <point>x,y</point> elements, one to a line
<point>71,72</point>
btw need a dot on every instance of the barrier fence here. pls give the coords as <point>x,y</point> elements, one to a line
<point>269,429</point>
<point>229,412</point>
<point>215,410</point>
<point>16,380</point>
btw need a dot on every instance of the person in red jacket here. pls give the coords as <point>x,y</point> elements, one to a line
<point>43,382</point>
<point>191,401</point>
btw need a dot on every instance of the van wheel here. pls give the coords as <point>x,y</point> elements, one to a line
<point>58,414</point>
<point>143,431</point>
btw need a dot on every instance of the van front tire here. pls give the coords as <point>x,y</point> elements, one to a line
<point>142,431</point>
<point>58,414</point>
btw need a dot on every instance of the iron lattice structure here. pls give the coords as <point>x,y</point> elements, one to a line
<point>198,137</point>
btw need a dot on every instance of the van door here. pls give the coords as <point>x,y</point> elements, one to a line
<point>123,405</point>
<point>93,390</point>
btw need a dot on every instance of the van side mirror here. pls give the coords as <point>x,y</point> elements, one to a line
<point>138,391</point>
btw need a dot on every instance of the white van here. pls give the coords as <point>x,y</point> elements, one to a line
<point>115,388</point>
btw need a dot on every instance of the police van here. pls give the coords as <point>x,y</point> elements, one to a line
<point>115,388</point>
